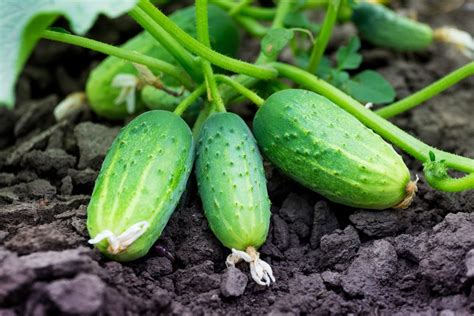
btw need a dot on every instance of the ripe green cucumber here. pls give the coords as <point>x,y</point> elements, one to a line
<point>232,186</point>
<point>232,183</point>
<point>142,178</point>
<point>224,36</point>
<point>324,148</point>
<point>383,27</point>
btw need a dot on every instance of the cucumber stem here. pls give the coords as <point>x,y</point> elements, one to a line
<point>190,99</point>
<point>132,56</point>
<point>251,26</point>
<point>243,90</point>
<point>428,92</point>
<point>223,61</point>
<point>202,28</point>
<point>319,45</point>
<point>449,184</point>
<point>384,128</point>
<point>186,60</point>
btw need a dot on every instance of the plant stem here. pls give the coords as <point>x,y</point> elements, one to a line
<point>249,94</point>
<point>428,92</point>
<point>384,128</point>
<point>198,48</point>
<point>282,9</point>
<point>254,12</point>
<point>154,64</point>
<point>451,184</point>
<point>251,25</point>
<point>190,99</point>
<point>186,60</point>
<point>319,45</point>
<point>202,28</point>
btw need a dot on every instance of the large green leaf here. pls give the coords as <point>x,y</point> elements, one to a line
<point>23,21</point>
<point>370,86</point>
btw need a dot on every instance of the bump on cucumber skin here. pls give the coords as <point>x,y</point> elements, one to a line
<point>142,178</point>
<point>326,149</point>
<point>383,27</point>
<point>156,99</point>
<point>224,36</point>
<point>231,181</point>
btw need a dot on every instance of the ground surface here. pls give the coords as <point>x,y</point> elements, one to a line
<point>327,259</point>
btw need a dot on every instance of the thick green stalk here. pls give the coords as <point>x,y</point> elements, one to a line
<point>223,61</point>
<point>251,25</point>
<point>202,28</point>
<point>319,45</point>
<point>190,99</point>
<point>249,94</point>
<point>427,93</point>
<point>154,64</point>
<point>451,184</point>
<point>384,128</point>
<point>184,58</point>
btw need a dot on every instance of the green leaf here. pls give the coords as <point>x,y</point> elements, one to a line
<point>339,78</point>
<point>347,57</point>
<point>23,21</point>
<point>300,19</point>
<point>370,86</point>
<point>275,40</point>
<point>324,68</point>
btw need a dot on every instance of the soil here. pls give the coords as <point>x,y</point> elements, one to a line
<point>327,258</point>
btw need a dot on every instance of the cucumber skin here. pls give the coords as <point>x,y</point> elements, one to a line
<point>224,38</point>
<point>156,99</point>
<point>231,181</point>
<point>383,27</point>
<point>326,149</point>
<point>147,167</point>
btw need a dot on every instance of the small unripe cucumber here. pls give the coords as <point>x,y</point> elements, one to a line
<point>383,27</point>
<point>224,36</point>
<point>321,146</point>
<point>142,178</point>
<point>232,183</point>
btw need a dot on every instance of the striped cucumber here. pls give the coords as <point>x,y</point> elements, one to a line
<point>326,149</point>
<point>104,85</point>
<point>383,27</point>
<point>139,185</point>
<point>233,190</point>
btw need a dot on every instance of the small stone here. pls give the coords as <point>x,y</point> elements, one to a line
<point>324,222</point>
<point>59,263</point>
<point>93,140</point>
<point>233,282</point>
<point>380,223</point>
<point>331,279</point>
<point>470,263</point>
<point>159,266</point>
<point>83,295</point>
<point>281,234</point>
<point>14,276</point>
<point>41,188</point>
<point>340,247</point>
<point>66,186</point>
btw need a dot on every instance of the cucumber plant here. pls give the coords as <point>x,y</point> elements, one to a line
<point>318,134</point>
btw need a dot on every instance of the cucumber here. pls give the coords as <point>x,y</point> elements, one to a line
<point>140,183</point>
<point>232,186</point>
<point>383,27</point>
<point>224,38</point>
<point>327,150</point>
<point>157,99</point>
